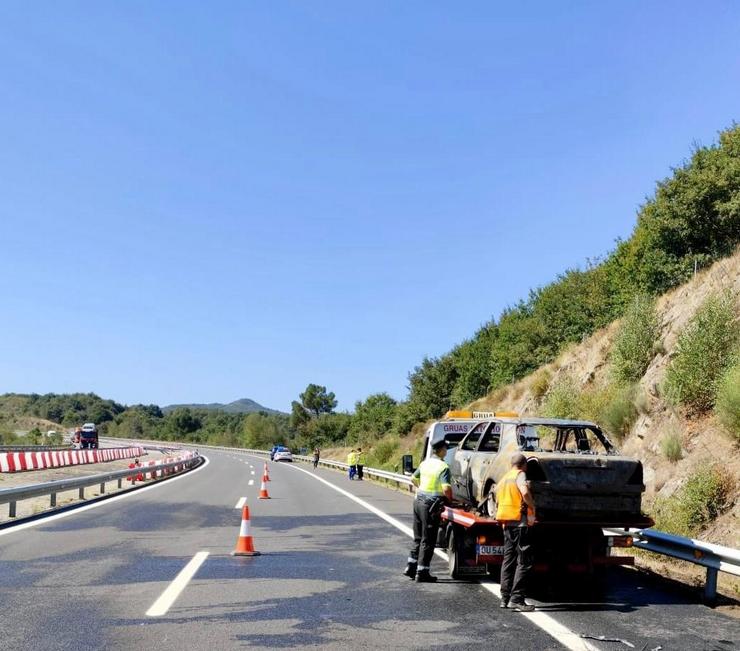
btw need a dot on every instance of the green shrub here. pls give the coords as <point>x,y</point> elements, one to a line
<point>540,383</point>
<point>634,346</point>
<point>562,399</point>
<point>670,445</point>
<point>727,406</point>
<point>703,353</point>
<point>383,452</point>
<point>704,496</point>
<point>619,411</point>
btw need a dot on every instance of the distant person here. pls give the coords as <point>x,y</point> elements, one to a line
<point>352,463</point>
<point>359,462</point>
<point>515,510</point>
<point>316,455</point>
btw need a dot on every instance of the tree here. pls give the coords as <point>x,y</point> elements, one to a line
<point>472,361</point>
<point>317,400</point>
<point>298,415</point>
<point>373,418</point>
<point>431,386</point>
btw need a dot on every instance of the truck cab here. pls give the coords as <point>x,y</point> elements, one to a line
<point>88,436</point>
<point>453,428</point>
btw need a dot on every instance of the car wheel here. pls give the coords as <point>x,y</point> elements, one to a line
<point>453,554</point>
<point>489,504</point>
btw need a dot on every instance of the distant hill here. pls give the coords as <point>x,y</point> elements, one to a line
<point>242,406</point>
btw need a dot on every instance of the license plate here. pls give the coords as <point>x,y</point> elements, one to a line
<point>490,550</point>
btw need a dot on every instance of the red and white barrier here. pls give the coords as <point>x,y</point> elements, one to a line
<point>20,461</point>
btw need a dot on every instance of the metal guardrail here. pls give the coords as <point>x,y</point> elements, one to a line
<point>716,558</point>
<point>373,473</point>
<point>11,496</point>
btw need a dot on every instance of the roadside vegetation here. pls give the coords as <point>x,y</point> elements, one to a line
<point>635,344</point>
<point>704,496</point>
<point>727,405</point>
<point>704,352</point>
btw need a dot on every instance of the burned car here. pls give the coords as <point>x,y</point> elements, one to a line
<point>573,470</point>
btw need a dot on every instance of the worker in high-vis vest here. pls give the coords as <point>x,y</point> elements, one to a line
<point>352,463</point>
<point>432,479</point>
<point>515,511</point>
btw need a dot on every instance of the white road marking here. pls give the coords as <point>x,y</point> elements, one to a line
<point>179,583</point>
<point>110,500</point>
<point>251,473</point>
<point>242,501</point>
<point>251,482</point>
<point>555,629</point>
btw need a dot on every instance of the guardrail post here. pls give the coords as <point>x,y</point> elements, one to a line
<point>102,487</point>
<point>11,510</point>
<point>82,492</point>
<point>53,501</point>
<point>120,482</point>
<point>710,587</point>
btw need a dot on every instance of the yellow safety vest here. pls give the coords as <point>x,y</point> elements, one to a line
<point>360,460</point>
<point>430,476</point>
<point>509,498</point>
<point>351,459</point>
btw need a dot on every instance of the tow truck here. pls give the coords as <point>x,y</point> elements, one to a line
<point>475,545</point>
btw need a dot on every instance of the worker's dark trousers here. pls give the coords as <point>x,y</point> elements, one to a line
<point>517,565</point>
<point>359,472</point>
<point>425,532</point>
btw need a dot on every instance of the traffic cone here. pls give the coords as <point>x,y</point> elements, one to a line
<point>265,474</point>
<point>244,544</point>
<point>263,491</point>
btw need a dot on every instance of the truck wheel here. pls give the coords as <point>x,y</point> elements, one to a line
<point>489,503</point>
<point>453,554</point>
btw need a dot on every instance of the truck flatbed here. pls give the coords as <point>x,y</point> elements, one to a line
<point>475,544</point>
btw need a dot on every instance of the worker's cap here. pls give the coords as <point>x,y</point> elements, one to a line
<point>439,445</point>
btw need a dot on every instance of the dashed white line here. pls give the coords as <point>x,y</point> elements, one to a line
<point>552,627</point>
<point>242,501</point>
<point>251,473</point>
<point>251,482</point>
<point>168,597</point>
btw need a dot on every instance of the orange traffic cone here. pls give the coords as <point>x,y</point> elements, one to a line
<point>263,491</point>
<point>265,474</point>
<point>244,544</point>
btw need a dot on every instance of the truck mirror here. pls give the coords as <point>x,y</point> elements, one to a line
<point>407,463</point>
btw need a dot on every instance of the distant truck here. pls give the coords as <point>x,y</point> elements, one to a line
<point>87,436</point>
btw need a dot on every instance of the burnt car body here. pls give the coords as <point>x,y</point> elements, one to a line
<point>573,470</point>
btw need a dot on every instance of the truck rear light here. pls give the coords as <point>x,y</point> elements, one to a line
<point>620,541</point>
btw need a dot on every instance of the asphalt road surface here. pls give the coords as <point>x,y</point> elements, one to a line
<point>329,577</point>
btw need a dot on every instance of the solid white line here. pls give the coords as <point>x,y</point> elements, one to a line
<point>555,629</point>
<point>242,501</point>
<point>179,583</point>
<point>251,482</point>
<point>109,500</point>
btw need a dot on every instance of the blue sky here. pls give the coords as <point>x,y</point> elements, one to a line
<point>207,201</point>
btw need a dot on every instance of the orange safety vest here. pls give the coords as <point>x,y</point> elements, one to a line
<point>509,498</point>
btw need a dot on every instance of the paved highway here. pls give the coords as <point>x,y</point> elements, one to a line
<point>329,577</point>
